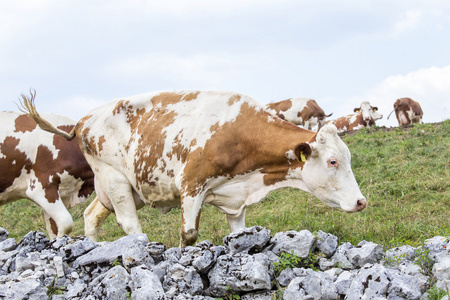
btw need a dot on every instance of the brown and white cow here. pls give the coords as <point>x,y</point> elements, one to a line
<point>44,168</point>
<point>365,116</point>
<point>188,148</point>
<point>407,111</point>
<point>299,111</point>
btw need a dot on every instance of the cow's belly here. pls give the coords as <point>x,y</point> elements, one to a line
<point>163,196</point>
<point>16,191</point>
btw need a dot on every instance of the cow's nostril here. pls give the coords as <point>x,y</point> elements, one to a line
<point>361,204</point>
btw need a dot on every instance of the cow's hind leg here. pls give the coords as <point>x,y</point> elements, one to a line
<point>94,216</point>
<point>118,190</point>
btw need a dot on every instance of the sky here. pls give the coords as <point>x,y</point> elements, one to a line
<point>80,54</point>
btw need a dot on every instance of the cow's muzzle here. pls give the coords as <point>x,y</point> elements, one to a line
<point>360,205</point>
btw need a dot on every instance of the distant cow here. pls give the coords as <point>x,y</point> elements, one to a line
<point>299,111</point>
<point>44,168</point>
<point>187,148</point>
<point>407,111</point>
<point>365,116</point>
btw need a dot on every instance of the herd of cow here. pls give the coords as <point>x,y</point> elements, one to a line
<point>172,149</point>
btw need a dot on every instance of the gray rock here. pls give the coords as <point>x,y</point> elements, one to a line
<point>403,286</point>
<point>379,282</point>
<point>286,276</point>
<point>238,273</point>
<point>398,255</point>
<point>27,289</point>
<point>76,248</point>
<point>172,255</point>
<point>75,289</point>
<point>147,284</point>
<point>156,251</point>
<point>326,243</point>
<point>436,246</point>
<point>441,269</point>
<point>294,291</point>
<point>343,282</point>
<point>317,285</point>
<point>267,295</point>
<point>365,253</point>
<point>371,282</point>
<point>247,240</point>
<point>339,258</point>
<point>33,241</point>
<point>299,242</point>
<point>3,234</point>
<point>109,252</point>
<point>181,279</point>
<point>135,254</point>
<point>8,244</point>
<point>192,297</point>
<point>115,284</point>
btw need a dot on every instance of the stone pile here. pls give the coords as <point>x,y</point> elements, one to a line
<point>247,265</point>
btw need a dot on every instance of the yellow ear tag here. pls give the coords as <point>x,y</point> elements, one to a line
<point>302,157</point>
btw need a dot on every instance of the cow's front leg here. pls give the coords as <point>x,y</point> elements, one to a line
<point>236,222</point>
<point>190,218</point>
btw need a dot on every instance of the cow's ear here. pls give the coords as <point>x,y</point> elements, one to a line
<point>356,110</point>
<point>302,152</point>
<point>374,108</point>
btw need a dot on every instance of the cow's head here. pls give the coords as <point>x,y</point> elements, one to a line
<point>327,172</point>
<point>368,112</point>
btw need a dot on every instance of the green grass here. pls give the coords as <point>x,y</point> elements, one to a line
<point>404,173</point>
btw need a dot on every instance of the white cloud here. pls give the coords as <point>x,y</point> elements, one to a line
<point>410,21</point>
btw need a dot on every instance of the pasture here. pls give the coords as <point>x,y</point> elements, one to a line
<point>404,173</point>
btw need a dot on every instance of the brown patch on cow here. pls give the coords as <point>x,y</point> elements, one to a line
<point>121,105</point>
<point>44,163</point>
<point>233,99</point>
<point>24,123</point>
<point>249,143</point>
<point>280,106</point>
<point>101,141</point>
<point>152,140</point>
<point>53,226</point>
<point>167,98</point>
<point>190,96</point>
<point>312,110</point>
<point>71,159</point>
<point>13,162</point>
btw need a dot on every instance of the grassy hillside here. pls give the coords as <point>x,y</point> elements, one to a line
<point>404,173</point>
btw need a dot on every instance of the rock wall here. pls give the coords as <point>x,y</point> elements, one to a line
<point>247,265</point>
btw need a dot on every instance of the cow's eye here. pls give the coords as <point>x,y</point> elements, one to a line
<point>333,162</point>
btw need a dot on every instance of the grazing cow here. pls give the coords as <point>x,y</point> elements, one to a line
<point>43,168</point>
<point>365,116</point>
<point>407,111</point>
<point>299,111</point>
<point>187,148</point>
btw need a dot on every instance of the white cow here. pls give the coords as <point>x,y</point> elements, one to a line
<point>187,148</point>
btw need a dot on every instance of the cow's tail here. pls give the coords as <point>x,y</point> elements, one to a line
<point>390,114</point>
<point>28,107</point>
